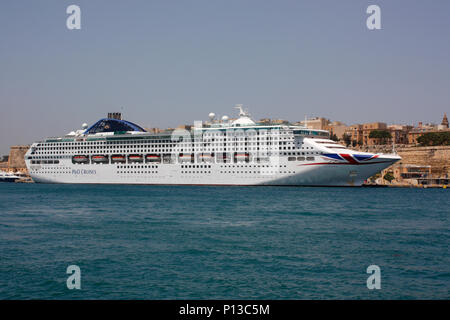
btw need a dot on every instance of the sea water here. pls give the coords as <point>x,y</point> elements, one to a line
<point>187,242</point>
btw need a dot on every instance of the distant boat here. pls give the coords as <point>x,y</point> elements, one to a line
<point>8,177</point>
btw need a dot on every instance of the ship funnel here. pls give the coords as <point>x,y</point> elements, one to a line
<point>115,115</point>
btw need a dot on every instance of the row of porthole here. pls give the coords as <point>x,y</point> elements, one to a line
<point>195,171</point>
<point>250,166</point>
<point>193,166</point>
<point>138,167</point>
<point>45,171</point>
<point>258,172</point>
<point>139,172</point>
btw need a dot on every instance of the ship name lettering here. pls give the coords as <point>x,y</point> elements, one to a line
<point>83,171</point>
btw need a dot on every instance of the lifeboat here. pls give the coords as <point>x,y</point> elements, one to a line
<point>242,157</point>
<point>80,159</point>
<point>99,159</point>
<point>153,158</point>
<point>118,158</point>
<point>206,157</point>
<point>135,158</point>
<point>186,157</point>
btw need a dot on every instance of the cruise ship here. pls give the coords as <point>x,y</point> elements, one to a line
<point>215,152</point>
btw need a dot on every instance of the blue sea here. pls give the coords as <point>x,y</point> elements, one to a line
<point>176,242</point>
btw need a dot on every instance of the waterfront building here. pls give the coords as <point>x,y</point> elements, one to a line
<point>399,133</point>
<point>413,174</point>
<point>315,123</point>
<point>355,132</point>
<point>421,129</point>
<point>337,128</point>
<point>367,128</point>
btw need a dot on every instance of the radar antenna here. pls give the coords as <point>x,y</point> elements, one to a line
<point>242,113</point>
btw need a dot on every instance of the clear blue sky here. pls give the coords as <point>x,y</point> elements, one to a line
<point>164,63</point>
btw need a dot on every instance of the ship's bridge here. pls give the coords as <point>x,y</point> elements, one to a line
<point>113,125</point>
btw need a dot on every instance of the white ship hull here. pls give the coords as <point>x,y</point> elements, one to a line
<point>286,173</point>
